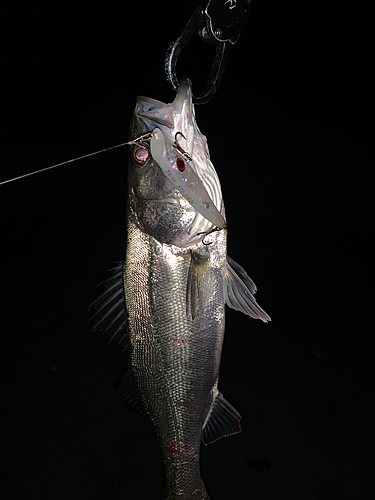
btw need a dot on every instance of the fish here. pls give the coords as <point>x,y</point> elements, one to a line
<point>166,300</point>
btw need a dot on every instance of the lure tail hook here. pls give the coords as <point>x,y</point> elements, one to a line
<point>213,230</point>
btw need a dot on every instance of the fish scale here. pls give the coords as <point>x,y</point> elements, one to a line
<point>171,353</point>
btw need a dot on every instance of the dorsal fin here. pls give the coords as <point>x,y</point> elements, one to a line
<point>222,421</point>
<point>239,291</point>
<point>110,311</point>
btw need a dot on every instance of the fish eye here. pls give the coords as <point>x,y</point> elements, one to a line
<point>180,164</point>
<point>140,155</point>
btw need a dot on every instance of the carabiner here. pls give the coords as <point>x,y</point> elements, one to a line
<point>214,21</point>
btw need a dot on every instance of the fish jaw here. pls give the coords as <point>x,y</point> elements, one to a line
<point>158,208</point>
<point>175,135</point>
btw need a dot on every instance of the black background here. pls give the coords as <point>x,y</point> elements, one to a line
<point>290,133</point>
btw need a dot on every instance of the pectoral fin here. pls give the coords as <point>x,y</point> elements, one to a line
<point>110,315</point>
<point>239,290</point>
<point>222,421</point>
<point>198,283</point>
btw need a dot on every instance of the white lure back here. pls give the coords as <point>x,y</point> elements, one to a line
<point>181,173</point>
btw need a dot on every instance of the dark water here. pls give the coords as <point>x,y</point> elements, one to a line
<point>290,134</point>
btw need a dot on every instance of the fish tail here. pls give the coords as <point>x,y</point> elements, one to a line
<point>200,494</point>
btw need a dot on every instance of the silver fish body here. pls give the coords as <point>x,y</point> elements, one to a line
<point>176,307</point>
<point>175,359</point>
<point>177,279</point>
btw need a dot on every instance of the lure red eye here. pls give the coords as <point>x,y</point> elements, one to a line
<point>180,164</point>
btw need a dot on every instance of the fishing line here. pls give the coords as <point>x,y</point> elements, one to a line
<point>134,141</point>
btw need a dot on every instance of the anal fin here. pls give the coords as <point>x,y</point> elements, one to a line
<point>224,420</point>
<point>128,394</point>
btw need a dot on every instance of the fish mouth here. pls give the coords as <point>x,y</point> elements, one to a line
<point>170,201</point>
<point>184,95</point>
<point>155,119</point>
<point>154,112</point>
<point>179,202</point>
<point>174,126</point>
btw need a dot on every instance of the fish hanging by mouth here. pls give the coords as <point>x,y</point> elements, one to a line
<point>166,300</point>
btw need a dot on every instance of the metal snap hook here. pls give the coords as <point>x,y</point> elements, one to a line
<point>215,22</point>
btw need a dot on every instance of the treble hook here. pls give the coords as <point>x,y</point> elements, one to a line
<point>179,148</point>
<point>213,230</point>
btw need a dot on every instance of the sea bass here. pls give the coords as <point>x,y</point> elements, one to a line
<point>176,279</point>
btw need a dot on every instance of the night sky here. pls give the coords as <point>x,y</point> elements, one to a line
<point>290,132</point>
